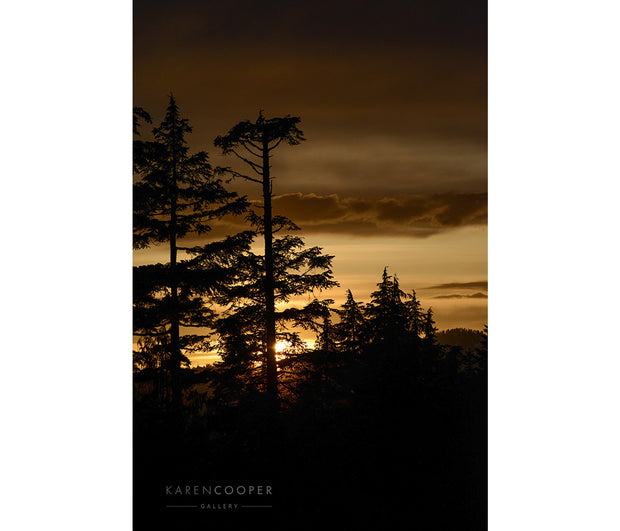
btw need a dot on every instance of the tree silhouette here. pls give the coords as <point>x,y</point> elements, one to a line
<point>242,328</point>
<point>386,312</point>
<point>460,337</point>
<point>253,143</point>
<point>415,316</point>
<point>326,337</point>
<point>176,194</point>
<point>349,331</point>
<point>338,406</point>
<point>430,331</point>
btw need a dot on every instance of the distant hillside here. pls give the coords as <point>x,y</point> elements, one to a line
<point>459,337</point>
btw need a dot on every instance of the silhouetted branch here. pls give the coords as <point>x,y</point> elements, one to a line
<point>237,174</point>
<point>252,165</point>
<point>244,144</point>
<point>275,145</point>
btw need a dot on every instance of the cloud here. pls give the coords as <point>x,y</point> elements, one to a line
<point>387,165</point>
<point>312,207</point>
<point>412,215</point>
<point>481,284</point>
<point>458,296</point>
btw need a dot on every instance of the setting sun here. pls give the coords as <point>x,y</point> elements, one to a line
<point>281,346</point>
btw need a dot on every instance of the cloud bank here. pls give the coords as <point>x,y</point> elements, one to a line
<point>480,284</point>
<point>409,215</point>
<point>478,295</point>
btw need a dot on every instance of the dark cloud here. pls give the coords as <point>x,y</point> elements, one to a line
<point>418,215</point>
<point>312,207</point>
<point>481,284</point>
<point>408,216</point>
<point>458,296</point>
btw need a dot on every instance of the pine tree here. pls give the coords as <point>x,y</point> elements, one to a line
<point>326,337</point>
<point>177,194</point>
<point>386,313</point>
<point>253,143</point>
<point>349,330</point>
<point>429,329</point>
<point>242,328</point>
<point>415,316</point>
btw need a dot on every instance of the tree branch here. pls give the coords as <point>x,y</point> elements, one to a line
<point>254,145</point>
<point>252,165</point>
<point>276,145</point>
<point>250,151</point>
<point>237,174</point>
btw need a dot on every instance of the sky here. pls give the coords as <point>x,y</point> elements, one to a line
<point>392,98</point>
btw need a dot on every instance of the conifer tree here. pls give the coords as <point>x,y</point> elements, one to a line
<point>386,312</point>
<point>429,350</point>
<point>326,337</point>
<point>415,316</point>
<point>243,325</point>
<point>177,194</point>
<point>349,331</point>
<point>430,331</point>
<point>253,143</point>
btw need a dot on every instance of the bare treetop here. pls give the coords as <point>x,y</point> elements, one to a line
<point>260,136</point>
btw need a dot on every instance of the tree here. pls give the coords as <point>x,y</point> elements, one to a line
<point>349,330</point>
<point>253,143</point>
<point>430,331</point>
<point>325,338</point>
<point>415,316</point>
<point>386,312</point>
<point>242,328</point>
<point>177,194</point>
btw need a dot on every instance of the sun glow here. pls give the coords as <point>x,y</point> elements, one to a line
<point>281,346</point>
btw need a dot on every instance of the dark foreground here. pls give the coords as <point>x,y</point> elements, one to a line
<point>382,445</point>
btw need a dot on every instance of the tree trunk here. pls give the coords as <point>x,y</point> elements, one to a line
<point>175,349</point>
<point>270,312</point>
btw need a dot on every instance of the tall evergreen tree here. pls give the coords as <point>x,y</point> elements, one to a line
<point>243,326</point>
<point>415,315</point>
<point>430,331</point>
<point>349,331</point>
<point>326,337</point>
<point>253,143</point>
<point>177,194</point>
<point>386,312</point>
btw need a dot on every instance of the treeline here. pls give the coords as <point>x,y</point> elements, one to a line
<point>460,337</point>
<point>178,194</point>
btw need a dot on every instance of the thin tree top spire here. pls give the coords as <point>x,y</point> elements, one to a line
<point>171,178</point>
<point>173,128</point>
